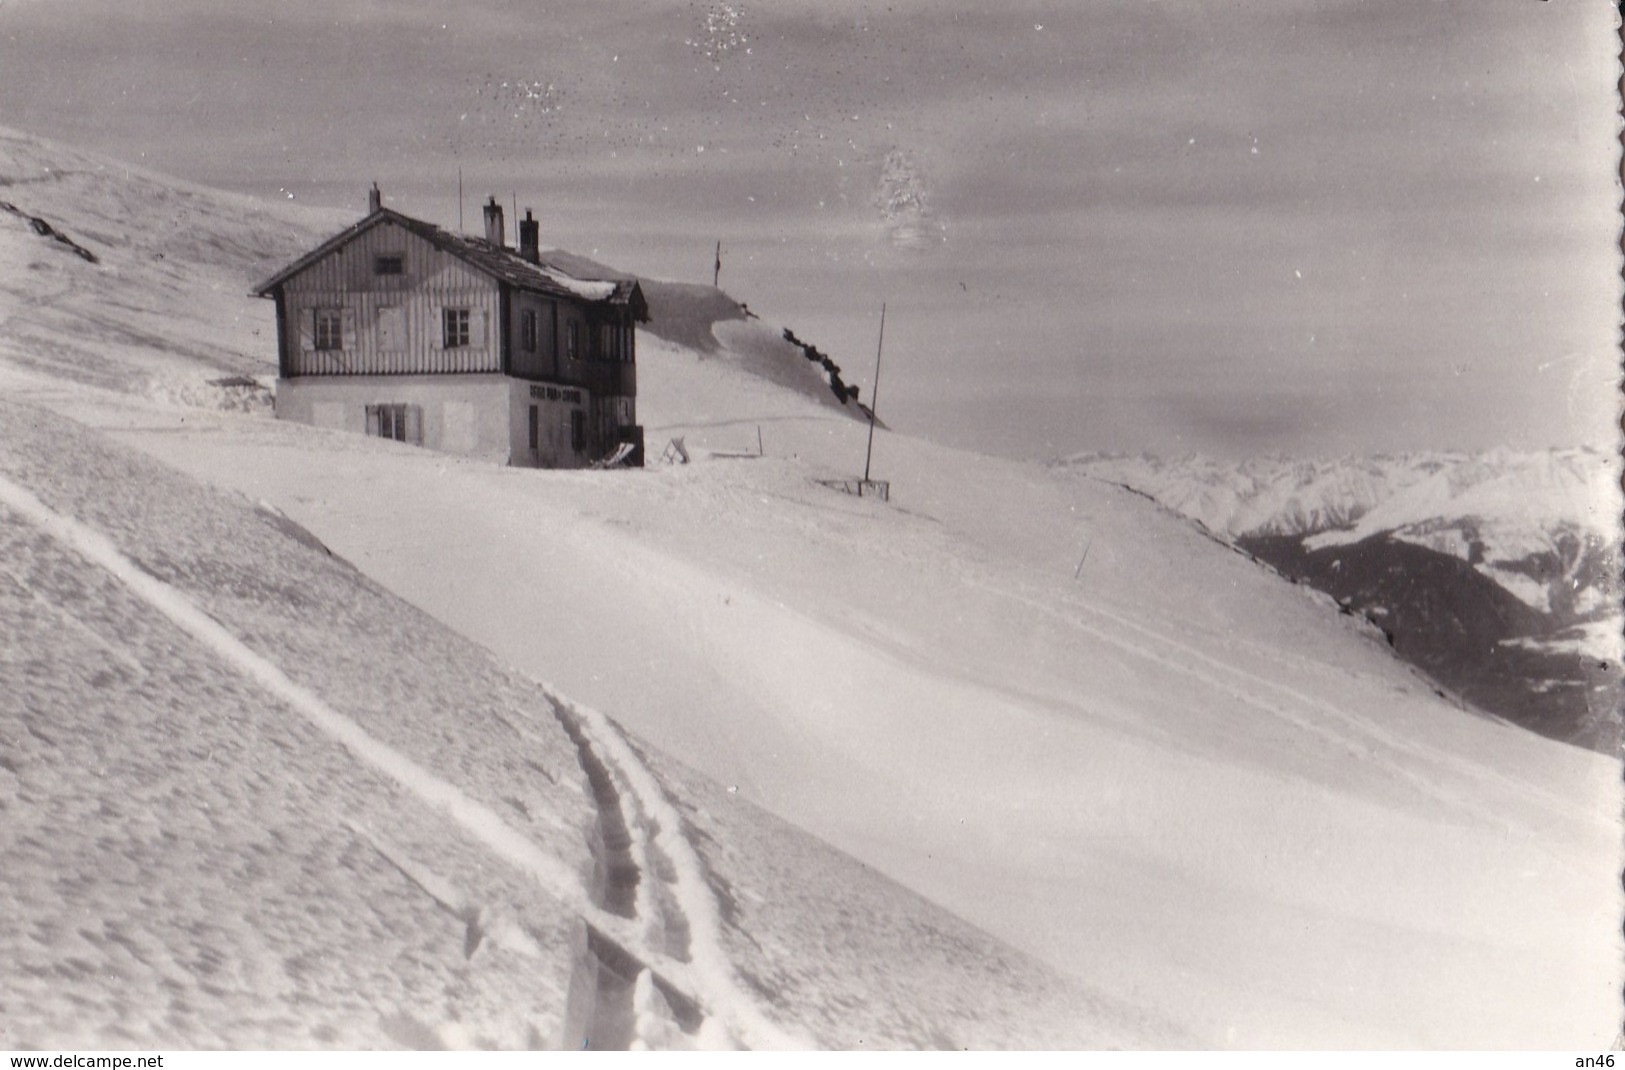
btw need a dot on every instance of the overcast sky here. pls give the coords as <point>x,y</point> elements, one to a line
<point>1307,226</point>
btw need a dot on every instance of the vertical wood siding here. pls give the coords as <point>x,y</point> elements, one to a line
<point>542,362</point>
<point>431,282</point>
<point>605,360</point>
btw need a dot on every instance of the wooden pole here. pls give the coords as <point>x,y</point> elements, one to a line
<point>1079,570</point>
<point>874,394</point>
<point>459,200</point>
<point>716,270</point>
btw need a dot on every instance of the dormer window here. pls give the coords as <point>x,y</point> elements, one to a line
<point>389,265</point>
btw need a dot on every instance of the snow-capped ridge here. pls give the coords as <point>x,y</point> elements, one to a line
<point>1356,496</point>
<point>1535,515</point>
<point>1515,500</point>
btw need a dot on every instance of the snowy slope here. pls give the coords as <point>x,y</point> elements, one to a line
<point>160,312</point>
<point>1227,814</point>
<point>318,818</point>
<point>1145,783</point>
<point>187,863</point>
<point>321,819</point>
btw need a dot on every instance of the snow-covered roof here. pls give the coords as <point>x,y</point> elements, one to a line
<point>498,261</point>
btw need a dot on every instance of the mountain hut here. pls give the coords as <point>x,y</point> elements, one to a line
<point>398,328</point>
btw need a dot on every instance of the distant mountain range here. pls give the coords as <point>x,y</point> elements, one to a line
<point>1498,572</point>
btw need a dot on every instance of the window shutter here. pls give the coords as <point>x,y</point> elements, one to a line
<point>482,330</point>
<point>307,330</point>
<point>391,328</point>
<point>414,425</point>
<point>437,333</point>
<point>372,420</point>
<point>347,337</point>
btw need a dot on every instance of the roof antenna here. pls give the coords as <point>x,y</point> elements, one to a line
<point>515,195</point>
<point>459,200</point>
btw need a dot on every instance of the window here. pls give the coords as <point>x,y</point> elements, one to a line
<point>578,430</point>
<point>535,427</point>
<point>527,330</point>
<point>455,328</point>
<point>572,340</point>
<point>329,329</point>
<point>403,423</point>
<point>389,265</point>
<point>392,422</point>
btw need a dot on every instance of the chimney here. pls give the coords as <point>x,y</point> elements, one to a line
<point>375,199</point>
<point>530,239</point>
<point>495,232</point>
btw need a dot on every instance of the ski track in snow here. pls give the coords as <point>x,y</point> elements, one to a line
<point>733,1018</point>
<point>711,969</point>
<point>1244,686</point>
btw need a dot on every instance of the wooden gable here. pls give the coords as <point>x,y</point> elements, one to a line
<point>385,300</point>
